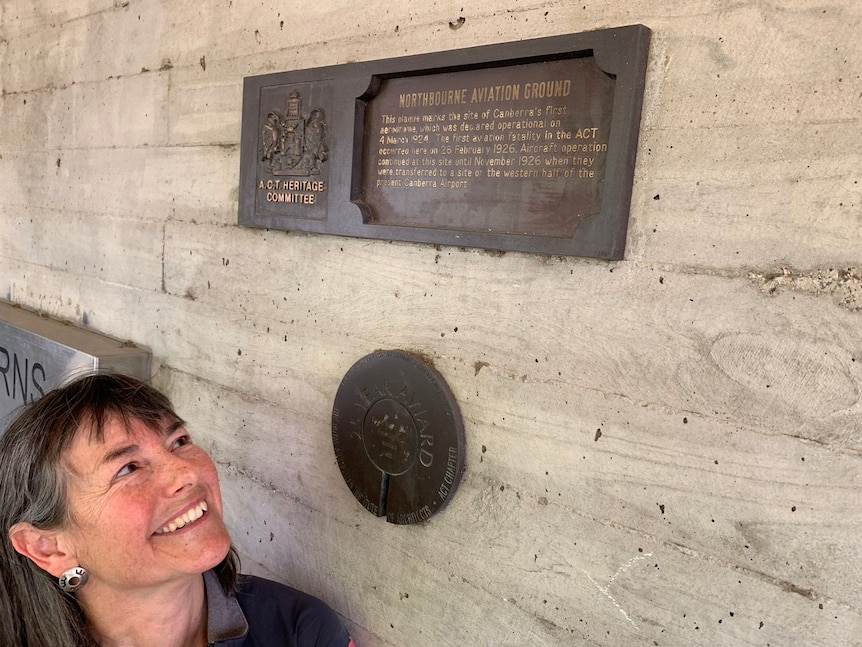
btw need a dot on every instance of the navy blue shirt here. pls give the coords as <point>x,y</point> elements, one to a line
<point>268,614</point>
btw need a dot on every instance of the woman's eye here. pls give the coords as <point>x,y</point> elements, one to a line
<point>181,441</point>
<point>127,469</point>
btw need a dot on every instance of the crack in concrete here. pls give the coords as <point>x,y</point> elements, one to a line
<point>605,590</point>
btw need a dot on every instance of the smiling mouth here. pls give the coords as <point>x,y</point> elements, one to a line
<point>184,519</point>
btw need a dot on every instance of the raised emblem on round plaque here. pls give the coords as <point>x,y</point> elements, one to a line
<point>398,436</point>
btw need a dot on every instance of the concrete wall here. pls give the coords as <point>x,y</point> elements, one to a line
<point>664,450</point>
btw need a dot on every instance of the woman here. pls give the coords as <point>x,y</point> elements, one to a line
<point>113,534</point>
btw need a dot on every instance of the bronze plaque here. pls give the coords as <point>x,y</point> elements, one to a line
<point>526,146</point>
<point>520,149</point>
<point>398,437</point>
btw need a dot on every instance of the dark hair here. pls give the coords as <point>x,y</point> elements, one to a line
<point>34,612</point>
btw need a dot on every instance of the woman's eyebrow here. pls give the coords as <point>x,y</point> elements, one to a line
<point>119,452</point>
<point>174,426</point>
<point>125,450</point>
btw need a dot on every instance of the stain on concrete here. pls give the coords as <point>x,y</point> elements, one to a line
<point>811,377</point>
<point>843,284</point>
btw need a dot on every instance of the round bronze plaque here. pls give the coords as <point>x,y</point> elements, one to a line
<point>398,436</point>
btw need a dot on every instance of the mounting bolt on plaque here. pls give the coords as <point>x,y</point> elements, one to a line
<point>398,436</point>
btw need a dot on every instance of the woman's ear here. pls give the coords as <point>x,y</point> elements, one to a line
<point>42,547</point>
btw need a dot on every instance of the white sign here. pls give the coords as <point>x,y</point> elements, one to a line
<point>37,354</point>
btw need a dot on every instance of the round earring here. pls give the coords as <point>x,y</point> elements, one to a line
<point>73,579</point>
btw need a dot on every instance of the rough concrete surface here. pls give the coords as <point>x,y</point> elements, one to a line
<point>664,450</point>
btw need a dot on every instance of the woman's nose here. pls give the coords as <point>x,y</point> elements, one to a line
<point>179,474</point>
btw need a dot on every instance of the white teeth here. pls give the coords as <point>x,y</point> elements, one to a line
<point>192,515</point>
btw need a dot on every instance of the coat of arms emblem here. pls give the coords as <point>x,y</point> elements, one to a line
<point>293,143</point>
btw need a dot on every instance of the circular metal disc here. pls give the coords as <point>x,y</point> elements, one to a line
<point>398,436</point>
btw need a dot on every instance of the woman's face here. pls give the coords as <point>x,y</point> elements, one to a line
<point>146,508</point>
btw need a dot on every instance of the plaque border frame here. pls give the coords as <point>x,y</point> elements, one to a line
<point>620,51</point>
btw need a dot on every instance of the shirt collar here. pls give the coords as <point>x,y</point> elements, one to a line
<point>225,619</point>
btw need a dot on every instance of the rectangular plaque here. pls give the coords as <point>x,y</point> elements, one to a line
<point>38,353</point>
<point>526,146</point>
